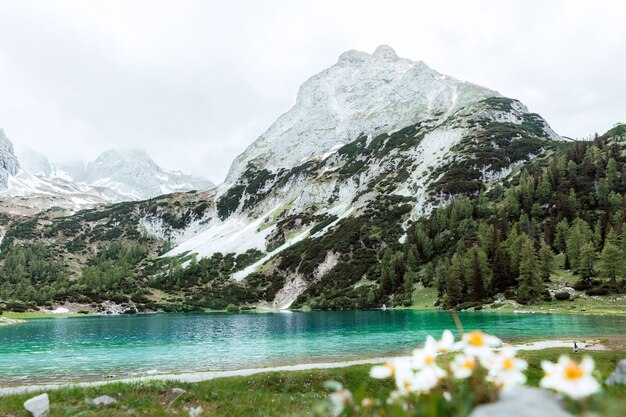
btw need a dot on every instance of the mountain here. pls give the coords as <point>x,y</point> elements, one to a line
<point>36,185</point>
<point>8,161</point>
<point>360,94</point>
<point>318,207</point>
<point>133,174</point>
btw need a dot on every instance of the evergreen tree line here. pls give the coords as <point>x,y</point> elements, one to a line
<point>505,240</point>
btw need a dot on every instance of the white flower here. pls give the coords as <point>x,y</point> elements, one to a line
<point>424,360</point>
<point>383,371</point>
<point>404,377</point>
<point>445,344</point>
<point>426,379</point>
<point>478,344</point>
<point>570,378</point>
<point>367,402</point>
<point>463,366</point>
<point>195,412</point>
<point>505,370</point>
<point>339,400</point>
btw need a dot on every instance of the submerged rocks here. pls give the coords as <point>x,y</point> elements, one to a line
<point>103,400</point>
<point>522,402</point>
<point>38,406</point>
<point>618,377</point>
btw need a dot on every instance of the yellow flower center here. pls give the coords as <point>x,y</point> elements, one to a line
<point>429,360</point>
<point>476,339</point>
<point>508,364</point>
<point>573,371</point>
<point>469,364</point>
<point>390,367</point>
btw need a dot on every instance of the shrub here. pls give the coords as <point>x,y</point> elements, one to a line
<point>603,290</point>
<point>232,308</point>
<point>562,296</point>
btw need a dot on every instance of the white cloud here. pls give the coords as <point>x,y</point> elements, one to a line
<point>195,82</point>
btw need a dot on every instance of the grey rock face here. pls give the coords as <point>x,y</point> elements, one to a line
<point>38,406</point>
<point>8,161</point>
<point>103,400</point>
<point>618,377</point>
<point>523,402</point>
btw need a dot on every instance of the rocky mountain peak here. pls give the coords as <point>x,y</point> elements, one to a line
<point>361,93</point>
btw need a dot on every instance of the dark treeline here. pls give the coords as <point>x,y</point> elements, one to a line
<point>505,240</point>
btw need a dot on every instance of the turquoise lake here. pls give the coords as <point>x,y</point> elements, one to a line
<point>83,348</point>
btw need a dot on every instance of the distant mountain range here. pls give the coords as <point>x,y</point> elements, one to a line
<point>29,183</point>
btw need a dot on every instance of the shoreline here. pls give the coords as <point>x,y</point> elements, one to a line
<point>194,377</point>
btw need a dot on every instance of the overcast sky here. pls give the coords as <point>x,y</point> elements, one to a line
<point>194,82</point>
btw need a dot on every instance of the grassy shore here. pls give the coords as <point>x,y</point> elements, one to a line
<point>269,394</point>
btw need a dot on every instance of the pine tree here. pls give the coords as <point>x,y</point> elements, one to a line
<point>371,297</point>
<point>502,278</point>
<point>544,189</point>
<point>579,234</point>
<point>611,174</point>
<point>586,262</point>
<point>441,274</point>
<point>530,283</point>
<point>454,281</point>
<point>408,285</point>
<point>477,273</point>
<point>545,259</point>
<point>411,261</point>
<point>573,201</point>
<point>611,262</point>
<point>602,192</point>
<point>562,230</point>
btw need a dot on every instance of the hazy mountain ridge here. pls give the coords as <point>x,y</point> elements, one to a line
<point>114,176</point>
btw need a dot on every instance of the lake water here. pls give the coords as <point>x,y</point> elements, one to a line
<point>66,349</point>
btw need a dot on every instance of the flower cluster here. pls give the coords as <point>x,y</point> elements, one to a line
<point>478,357</point>
<point>421,373</point>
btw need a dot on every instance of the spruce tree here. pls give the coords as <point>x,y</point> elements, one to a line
<point>611,262</point>
<point>530,283</point>
<point>546,259</point>
<point>611,174</point>
<point>477,273</point>
<point>562,230</point>
<point>586,261</point>
<point>454,281</point>
<point>502,278</point>
<point>408,285</point>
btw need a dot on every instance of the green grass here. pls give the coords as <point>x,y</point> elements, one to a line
<point>424,298</point>
<point>269,394</point>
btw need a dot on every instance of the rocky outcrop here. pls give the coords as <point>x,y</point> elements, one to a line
<point>523,402</point>
<point>618,377</point>
<point>38,406</point>
<point>8,161</point>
